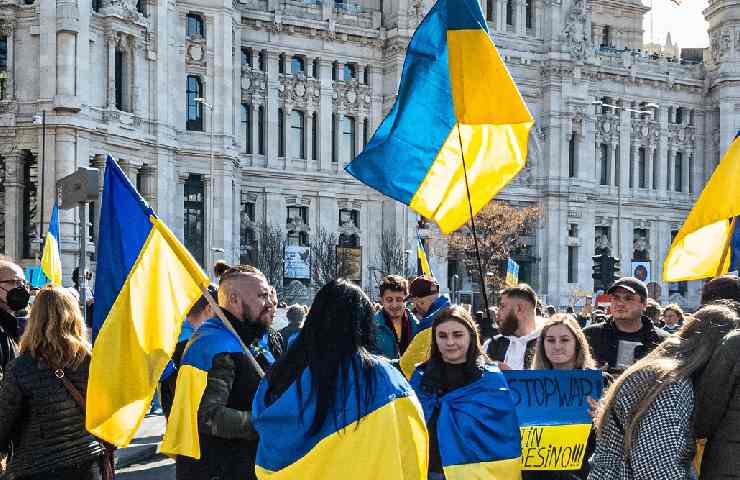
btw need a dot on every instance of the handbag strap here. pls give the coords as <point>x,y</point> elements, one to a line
<point>59,373</point>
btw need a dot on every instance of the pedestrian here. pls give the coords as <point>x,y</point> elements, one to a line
<point>514,346</point>
<point>725,287</point>
<point>295,314</point>
<point>550,311</point>
<point>14,297</point>
<point>227,441</point>
<point>654,312</point>
<point>219,268</point>
<point>561,345</point>
<point>467,404</point>
<point>645,426</point>
<point>584,316</point>
<point>627,335</point>
<point>672,318</point>
<point>42,396</point>
<point>395,325</point>
<point>331,409</point>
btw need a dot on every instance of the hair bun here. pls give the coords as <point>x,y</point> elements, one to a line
<point>220,267</point>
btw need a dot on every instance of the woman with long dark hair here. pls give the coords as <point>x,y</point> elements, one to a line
<point>330,408</point>
<point>645,423</point>
<point>473,427</point>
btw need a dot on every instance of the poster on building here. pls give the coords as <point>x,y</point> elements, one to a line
<point>349,261</point>
<point>552,406</point>
<point>641,271</point>
<point>297,262</point>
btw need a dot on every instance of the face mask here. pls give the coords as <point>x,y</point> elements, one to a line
<point>17,298</point>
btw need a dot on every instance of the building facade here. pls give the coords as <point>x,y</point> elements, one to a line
<point>226,114</point>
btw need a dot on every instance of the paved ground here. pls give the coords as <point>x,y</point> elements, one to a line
<point>157,468</point>
<point>144,445</point>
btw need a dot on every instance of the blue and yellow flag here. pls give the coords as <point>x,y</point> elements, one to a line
<point>512,273</point>
<point>456,98</point>
<point>708,243</point>
<point>420,346</point>
<point>477,427</point>
<point>423,260</point>
<point>390,441</point>
<point>146,283</point>
<point>51,260</point>
<point>212,338</point>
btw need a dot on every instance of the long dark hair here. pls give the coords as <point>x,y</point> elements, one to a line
<point>456,313</point>
<point>339,327</point>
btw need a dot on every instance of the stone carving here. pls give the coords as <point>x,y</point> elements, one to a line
<point>714,46</point>
<point>640,247</point>
<point>351,96</point>
<point>725,44</point>
<point>576,30</point>
<point>603,245</point>
<point>299,91</point>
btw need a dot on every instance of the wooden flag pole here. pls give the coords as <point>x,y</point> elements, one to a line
<point>726,250</point>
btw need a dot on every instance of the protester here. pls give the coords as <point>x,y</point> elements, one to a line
<point>42,396</point>
<point>627,335</point>
<point>673,318</point>
<point>550,311</point>
<point>330,409</point>
<point>14,297</point>
<point>198,314</point>
<point>219,268</point>
<point>515,344</point>
<point>725,287</point>
<point>227,441</point>
<point>654,312</point>
<point>457,387</point>
<point>645,426</point>
<point>584,316</point>
<point>395,325</point>
<point>295,314</point>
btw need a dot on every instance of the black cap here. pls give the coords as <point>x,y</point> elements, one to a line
<point>423,286</point>
<point>631,284</point>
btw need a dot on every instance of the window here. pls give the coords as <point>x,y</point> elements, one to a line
<point>281,133</point>
<point>194,26</point>
<point>680,288</point>
<point>530,14</point>
<point>334,71</point>
<point>365,132</point>
<point>348,138</point>
<point>141,7</point>
<point>604,158</point>
<point>491,10</point>
<point>314,136</point>
<point>691,117</point>
<point>247,56</point>
<point>297,216</point>
<point>691,173</point>
<point>30,205</point>
<point>248,238</point>
<point>349,241</point>
<point>298,134</point>
<point>632,162</point>
<point>679,115</point>
<point>261,60</point>
<point>334,140</point>
<point>281,63</point>
<point>194,217</point>
<point>617,167</point>
<point>572,264</point>
<point>509,13</point>
<point>642,167</point>
<point>97,5</point>
<point>605,36</point>
<point>297,65</point>
<point>121,82</point>
<point>572,155</point>
<point>668,172</point>
<point>350,72</point>
<point>261,130</point>
<point>573,230</point>
<point>194,109</point>
<point>297,238</point>
<point>366,75</point>
<point>604,108</point>
<point>678,185</point>
<point>247,126</point>
<point>3,65</point>
<point>349,218</point>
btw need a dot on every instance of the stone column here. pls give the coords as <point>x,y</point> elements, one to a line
<point>520,19</point>
<point>685,171</point>
<point>634,166</point>
<point>64,163</point>
<point>649,167</point>
<point>613,164</point>
<point>179,226</point>
<point>14,183</point>
<point>307,138</point>
<point>501,15</point>
<point>254,133</point>
<point>669,184</point>
<point>326,107</point>
<point>359,122</point>
<point>587,148</point>
<point>661,153</point>
<point>337,150</point>
<point>99,163</point>
<point>148,174</point>
<point>8,30</point>
<point>110,39</point>
<point>131,171</point>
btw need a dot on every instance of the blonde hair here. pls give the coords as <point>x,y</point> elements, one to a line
<point>677,310</point>
<point>55,331</point>
<point>583,360</point>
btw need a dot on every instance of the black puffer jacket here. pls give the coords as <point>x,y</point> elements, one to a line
<point>41,420</point>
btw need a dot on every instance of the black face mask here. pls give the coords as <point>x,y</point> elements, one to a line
<point>18,297</point>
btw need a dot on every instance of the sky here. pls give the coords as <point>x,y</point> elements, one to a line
<point>685,22</point>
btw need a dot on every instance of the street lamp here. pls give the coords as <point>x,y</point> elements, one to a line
<point>41,120</point>
<point>211,188</point>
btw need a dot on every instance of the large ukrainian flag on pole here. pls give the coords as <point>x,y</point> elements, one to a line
<point>51,260</point>
<point>146,283</point>
<point>390,442</point>
<point>708,243</point>
<point>455,92</point>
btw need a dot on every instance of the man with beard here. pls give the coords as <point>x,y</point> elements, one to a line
<point>395,325</point>
<point>227,439</point>
<point>14,297</point>
<point>628,335</point>
<point>514,346</point>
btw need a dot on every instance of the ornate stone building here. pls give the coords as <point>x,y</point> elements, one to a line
<point>623,140</point>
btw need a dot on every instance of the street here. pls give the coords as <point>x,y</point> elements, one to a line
<point>158,468</point>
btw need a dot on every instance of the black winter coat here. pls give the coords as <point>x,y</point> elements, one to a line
<point>602,338</point>
<point>41,420</point>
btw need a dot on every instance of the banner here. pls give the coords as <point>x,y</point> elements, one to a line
<point>296,262</point>
<point>553,415</point>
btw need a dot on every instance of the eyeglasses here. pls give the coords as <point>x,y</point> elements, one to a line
<point>14,281</point>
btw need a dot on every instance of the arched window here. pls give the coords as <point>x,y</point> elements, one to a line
<point>195,26</point>
<point>194,109</point>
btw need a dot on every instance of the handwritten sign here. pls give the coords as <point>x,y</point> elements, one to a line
<point>552,407</point>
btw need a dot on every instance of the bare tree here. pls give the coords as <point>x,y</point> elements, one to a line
<point>269,255</point>
<point>327,262</point>
<point>391,256</point>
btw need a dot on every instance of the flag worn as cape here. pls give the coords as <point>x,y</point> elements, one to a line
<point>146,282</point>
<point>212,338</point>
<point>455,98</point>
<point>51,260</point>
<point>477,427</point>
<point>420,345</point>
<point>390,441</point>
<point>708,243</point>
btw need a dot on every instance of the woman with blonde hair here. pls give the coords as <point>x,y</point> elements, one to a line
<point>41,414</point>
<point>562,345</point>
<point>645,423</point>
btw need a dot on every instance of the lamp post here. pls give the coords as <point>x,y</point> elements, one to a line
<point>211,188</point>
<point>652,107</point>
<point>41,120</point>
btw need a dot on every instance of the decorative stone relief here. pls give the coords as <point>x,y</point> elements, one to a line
<point>299,90</point>
<point>725,42</point>
<point>576,30</point>
<point>351,96</point>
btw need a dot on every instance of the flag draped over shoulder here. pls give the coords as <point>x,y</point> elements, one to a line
<point>455,91</point>
<point>708,243</point>
<point>420,346</point>
<point>390,441</point>
<point>477,428</point>
<point>423,260</point>
<point>51,260</point>
<point>212,338</point>
<point>146,282</point>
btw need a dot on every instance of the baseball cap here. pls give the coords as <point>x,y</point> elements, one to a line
<point>631,284</point>
<point>423,286</point>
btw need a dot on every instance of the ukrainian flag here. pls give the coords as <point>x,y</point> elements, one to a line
<point>512,272</point>
<point>390,441</point>
<point>51,260</point>
<point>708,243</point>
<point>456,99</point>
<point>146,283</point>
<point>477,428</point>
<point>212,338</point>
<point>423,261</point>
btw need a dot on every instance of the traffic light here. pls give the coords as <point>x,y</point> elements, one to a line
<point>611,270</point>
<point>597,274</point>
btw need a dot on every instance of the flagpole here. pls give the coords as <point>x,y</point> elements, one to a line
<point>726,249</point>
<point>472,225</point>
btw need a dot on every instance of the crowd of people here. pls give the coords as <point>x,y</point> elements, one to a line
<point>672,378</point>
